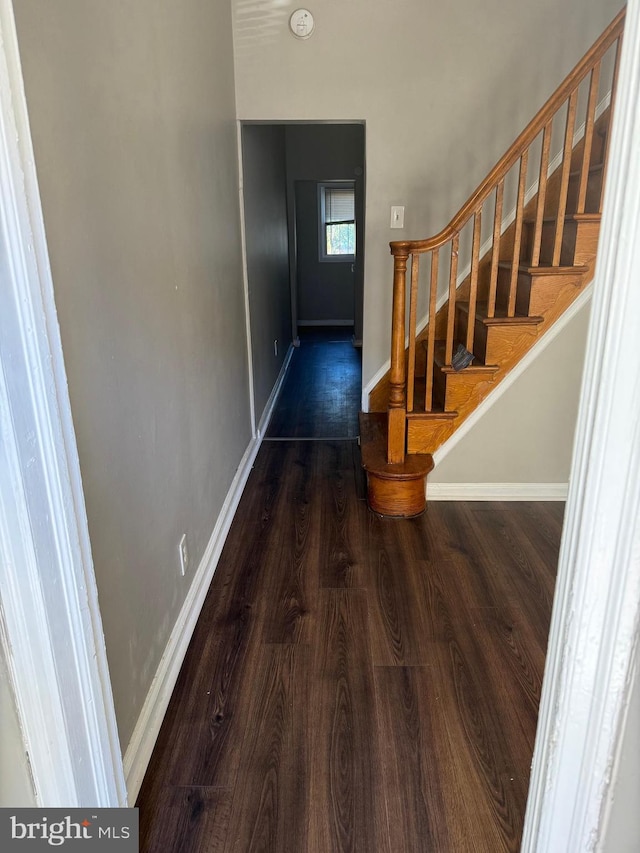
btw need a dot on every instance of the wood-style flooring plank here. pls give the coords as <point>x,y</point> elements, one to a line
<point>186,820</point>
<point>271,800</point>
<point>524,571</point>
<point>398,604</point>
<point>479,758</point>
<point>289,577</point>
<point>514,671</point>
<point>423,800</point>
<point>349,811</point>
<point>343,516</point>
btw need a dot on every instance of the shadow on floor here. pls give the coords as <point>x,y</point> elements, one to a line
<point>320,398</point>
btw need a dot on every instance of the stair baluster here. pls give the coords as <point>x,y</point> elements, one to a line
<point>614,89</point>
<point>495,257</point>
<point>413,311</point>
<point>473,282</point>
<point>431,337</point>
<point>588,138</point>
<point>542,193</point>
<point>564,180</point>
<point>453,284</point>
<point>517,239</point>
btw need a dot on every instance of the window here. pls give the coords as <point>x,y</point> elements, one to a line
<point>337,222</point>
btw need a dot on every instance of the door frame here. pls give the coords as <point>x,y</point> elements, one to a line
<point>593,639</point>
<point>50,622</point>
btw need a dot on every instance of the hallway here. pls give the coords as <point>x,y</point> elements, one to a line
<point>356,683</point>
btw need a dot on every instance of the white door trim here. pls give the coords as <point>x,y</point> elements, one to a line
<point>51,627</point>
<point>594,626</point>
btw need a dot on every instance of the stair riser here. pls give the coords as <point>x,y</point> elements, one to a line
<point>579,243</point>
<point>593,197</point>
<point>495,344</point>
<point>598,145</point>
<point>427,436</point>
<point>454,390</point>
<point>547,243</point>
<point>586,243</point>
<point>505,344</point>
<point>479,336</point>
<point>537,294</point>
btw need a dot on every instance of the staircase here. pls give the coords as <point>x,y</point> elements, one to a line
<point>490,281</point>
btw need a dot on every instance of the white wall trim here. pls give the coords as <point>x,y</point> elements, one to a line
<point>52,629</point>
<point>496,491</point>
<point>245,281</point>
<point>525,362</point>
<point>595,619</point>
<point>147,728</point>
<point>325,323</point>
<point>275,392</point>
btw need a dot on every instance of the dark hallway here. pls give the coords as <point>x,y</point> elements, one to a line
<point>355,683</point>
<point>321,394</point>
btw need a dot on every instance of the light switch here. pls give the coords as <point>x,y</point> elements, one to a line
<point>397,216</point>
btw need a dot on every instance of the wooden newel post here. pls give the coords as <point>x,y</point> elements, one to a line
<point>397,393</point>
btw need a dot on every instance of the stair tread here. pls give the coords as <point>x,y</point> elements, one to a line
<point>576,217</point>
<point>545,270</point>
<point>597,167</point>
<point>500,316</point>
<point>436,413</point>
<point>373,446</point>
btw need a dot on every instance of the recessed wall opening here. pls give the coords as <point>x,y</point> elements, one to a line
<point>303,196</point>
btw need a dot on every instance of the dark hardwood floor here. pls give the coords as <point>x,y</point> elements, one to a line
<point>321,394</point>
<point>357,683</point>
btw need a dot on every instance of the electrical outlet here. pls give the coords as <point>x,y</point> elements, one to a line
<point>275,348</point>
<point>184,554</point>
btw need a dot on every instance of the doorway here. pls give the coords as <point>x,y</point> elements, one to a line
<point>298,180</point>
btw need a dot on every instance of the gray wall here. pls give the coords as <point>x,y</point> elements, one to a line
<point>325,289</point>
<point>527,435</point>
<point>16,788</point>
<point>267,245</point>
<point>132,113</point>
<point>323,152</point>
<point>444,89</point>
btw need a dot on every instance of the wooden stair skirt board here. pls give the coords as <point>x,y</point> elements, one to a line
<point>396,491</point>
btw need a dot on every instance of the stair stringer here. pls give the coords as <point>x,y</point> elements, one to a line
<point>422,436</point>
<point>512,376</point>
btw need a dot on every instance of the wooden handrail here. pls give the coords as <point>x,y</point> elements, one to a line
<point>522,143</point>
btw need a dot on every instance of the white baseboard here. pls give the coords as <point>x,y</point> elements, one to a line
<point>145,734</point>
<point>325,323</point>
<point>273,396</point>
<point>496,491</point>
